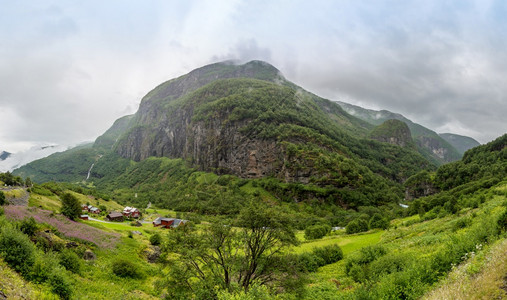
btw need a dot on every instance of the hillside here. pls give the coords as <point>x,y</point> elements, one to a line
<point>241,120</point>
<point>449,244</point>
<point>459,142</point>
<point>430,144</point>
<point>393,132</point>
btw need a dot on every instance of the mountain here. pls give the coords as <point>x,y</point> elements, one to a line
<point>430,144</point>
<point>393,132</point>
<point>459,142</point>
<point>247,121</point>
<point>4,155</point>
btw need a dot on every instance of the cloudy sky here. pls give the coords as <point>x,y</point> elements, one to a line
<point>68,69</point>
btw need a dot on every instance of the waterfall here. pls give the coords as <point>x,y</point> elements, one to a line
<point>89,171</point>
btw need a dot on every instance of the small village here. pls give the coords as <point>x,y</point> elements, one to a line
<point>90,212</point>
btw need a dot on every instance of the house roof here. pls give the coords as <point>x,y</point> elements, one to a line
<point>114,214</point>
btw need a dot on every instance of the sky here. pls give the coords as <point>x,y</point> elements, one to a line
<point>69,69</point>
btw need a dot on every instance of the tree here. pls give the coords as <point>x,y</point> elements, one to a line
<point>225,256</point>
<point>70,206</point>
<point>377,221</point>
<point>2,198</point>
<point>28,182</point>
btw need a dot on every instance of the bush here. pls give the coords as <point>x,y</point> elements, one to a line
<point>44,266</point>
<point>126,268</point>
<point>355,226</point>
<point>389,264</point>
<point>309,262</point>
<point>357,273</point>
<point>17,250</point>
<point>2,198</point>
<point>70,261</point>
<point>155,239</point>
<point>377,221</point>
<point>502,221</point>
<point>329,254</point>
<point>28,226</point>
<point>60,285</point>
<point>371,253</point>
<point>316,231</point>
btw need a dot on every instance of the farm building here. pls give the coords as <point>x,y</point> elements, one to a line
<point>84,217</point>
<point>168,222</point>
<point>94,210</point>
<point>131,212</point>
<point>115,216</point>
<point>84,207</point>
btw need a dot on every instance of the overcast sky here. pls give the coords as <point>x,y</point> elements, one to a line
<point>68,69</point>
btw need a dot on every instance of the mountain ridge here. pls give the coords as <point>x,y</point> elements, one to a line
<point>431,144</point>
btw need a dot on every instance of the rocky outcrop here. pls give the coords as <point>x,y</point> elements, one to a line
<point>393,132</point>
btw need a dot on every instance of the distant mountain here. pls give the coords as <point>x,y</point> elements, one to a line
<point>16,160</point>
<point>429,143</point>
<point>461,143</point>
<point>4,155</point>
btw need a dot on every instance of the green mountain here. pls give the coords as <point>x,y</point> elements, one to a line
<point>393,132</point>
<point>430,144</point>
<point>241,120</point>
<point>459,142</point>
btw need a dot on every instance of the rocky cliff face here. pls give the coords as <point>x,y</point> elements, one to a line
<point>240,119</point>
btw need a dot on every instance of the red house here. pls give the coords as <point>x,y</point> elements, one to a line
<point>168,222</point>
<point>131,212</point>
<point>84,217</point>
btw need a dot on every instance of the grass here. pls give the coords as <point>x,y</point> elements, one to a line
<point>52,203</point>
<point>110,205</point>
<point>482,277</point>
<point>14,193</point>
<point>348,243</point>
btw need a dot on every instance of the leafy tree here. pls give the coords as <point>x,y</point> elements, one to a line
<point>316,231</point>
<point>28,182</point>
<point>70,206</point>
<point>377,221</point>
<point>2,198</point>
<point>355,226</point>
<point>224,256</point>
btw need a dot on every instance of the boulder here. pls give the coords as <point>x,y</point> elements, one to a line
<point>89,255</point>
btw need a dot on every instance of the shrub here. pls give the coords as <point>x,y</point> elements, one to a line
<point>316,231</point>
<point>44,266</point>
<point>371,253</point>
<point>60,285</point>
<point>309,262</point>
<point>389,264</point>
<point>126,268</point>
<point>502,221</point>
<point>70,261</point>
<point>155,239</point>
<point>355,226</point>
<point>17,250</point>
<point>329,254</point>
<point>357,273</point>
<point>377,221</point>
<point>2,198</point>
<point>28,226</point>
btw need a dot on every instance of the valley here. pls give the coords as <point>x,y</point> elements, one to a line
<point>283,195</point>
